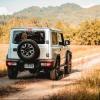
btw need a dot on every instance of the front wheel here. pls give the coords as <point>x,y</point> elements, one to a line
<point>12,72</point>
<point>68,64</point>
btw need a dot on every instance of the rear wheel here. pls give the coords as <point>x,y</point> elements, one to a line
<point>12,72</point>
<point>68,64</point>
<point>55,73</point>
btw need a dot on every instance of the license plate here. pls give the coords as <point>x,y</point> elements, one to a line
<point>29,66</point>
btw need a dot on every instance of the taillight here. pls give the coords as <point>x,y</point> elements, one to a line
<point>47,64</point>
<point>11,63</point>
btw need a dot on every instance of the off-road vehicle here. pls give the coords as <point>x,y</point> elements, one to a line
<point>38,49</point>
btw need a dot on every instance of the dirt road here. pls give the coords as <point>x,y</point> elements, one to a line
<point>41,87</point>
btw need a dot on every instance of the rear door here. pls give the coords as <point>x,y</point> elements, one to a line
<point>38,35</point>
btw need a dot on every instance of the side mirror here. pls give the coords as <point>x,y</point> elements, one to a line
<point>60,43</point>
<point>67,42</point>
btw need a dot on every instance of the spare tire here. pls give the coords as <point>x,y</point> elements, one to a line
<point>28,51</point>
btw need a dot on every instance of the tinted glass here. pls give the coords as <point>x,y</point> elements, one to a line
<point>37,36</point>
<point>54,38</point>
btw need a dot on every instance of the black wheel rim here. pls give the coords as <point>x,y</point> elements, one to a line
<point>27,50</point>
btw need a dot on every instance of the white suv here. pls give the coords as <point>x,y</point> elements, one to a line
<point>38,49</point>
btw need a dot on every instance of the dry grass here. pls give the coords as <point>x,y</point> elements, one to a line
<point>3,52</point>
<point>92,80</point>
<point>88,88</point>
<point>84,50</point>
<point>79,94</point>
<point>3,69</point>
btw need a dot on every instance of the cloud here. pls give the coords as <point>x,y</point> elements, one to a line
<point>4,11</point>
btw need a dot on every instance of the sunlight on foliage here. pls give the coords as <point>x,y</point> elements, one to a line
<point>87,33</point>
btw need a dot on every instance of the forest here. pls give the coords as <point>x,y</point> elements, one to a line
<point>85,33</point>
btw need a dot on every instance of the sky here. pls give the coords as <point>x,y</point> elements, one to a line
<point>11,6</point>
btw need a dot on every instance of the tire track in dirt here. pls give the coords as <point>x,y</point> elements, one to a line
<point>37,88</point>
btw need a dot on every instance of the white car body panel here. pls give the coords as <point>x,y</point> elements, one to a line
<point>45,49</point>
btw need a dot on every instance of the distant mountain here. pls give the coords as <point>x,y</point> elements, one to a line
<point>63,12</point>
<point>69,12</point>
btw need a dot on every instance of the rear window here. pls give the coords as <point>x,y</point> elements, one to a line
<point>37,36</point>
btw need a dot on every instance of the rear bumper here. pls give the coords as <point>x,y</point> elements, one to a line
<point>45,63</point>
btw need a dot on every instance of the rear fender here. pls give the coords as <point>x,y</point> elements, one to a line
<point>56,56</point>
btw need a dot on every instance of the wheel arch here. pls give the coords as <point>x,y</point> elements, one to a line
<point>56,56</point>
